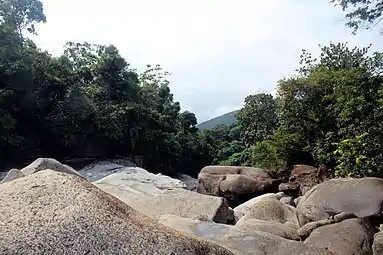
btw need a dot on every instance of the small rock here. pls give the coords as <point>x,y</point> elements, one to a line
<point>191,183</point>
<point>377,246</point>
<point>287,200</point>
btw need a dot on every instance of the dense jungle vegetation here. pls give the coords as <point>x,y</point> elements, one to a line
<point>90,102</point>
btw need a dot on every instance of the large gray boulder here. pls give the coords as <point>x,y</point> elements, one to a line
<point>141,181</point>
<point>100,169</point>
<point>188,204</point>
<point>48,163</point>
<point>243,209</point>
<point>152,200</point>
<point>55,213</point>
<point>156,194</point>
<point>12,174</point>
<point>362,197</point>
<point>237,184</point>
<point>288,231</point>
<point>273,210</point>
<point>241,242</point>
<point>351,236</point>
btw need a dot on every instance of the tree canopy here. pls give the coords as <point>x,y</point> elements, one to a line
<point>361,14</point>
<point>89,102</point>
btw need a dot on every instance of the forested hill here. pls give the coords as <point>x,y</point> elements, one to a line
<point>225,119</point>
<point>90,102</point>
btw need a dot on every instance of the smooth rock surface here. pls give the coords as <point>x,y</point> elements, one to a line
<point>243,209</point>
<point>179,202</point>
<point>308,228</point>
<point>273,210</point>
<point>240,242</point>
<point>48,163</point>
<point>352,236</point>
<point>13,174</point>
<point>56,213</point>
<point>237,184</point>
<point>287,231</point>
<point>101,169</point>
<point>142,181</point>
<point>363,197</point>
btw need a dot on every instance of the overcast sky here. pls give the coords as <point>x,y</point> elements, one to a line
<point>218,51</point>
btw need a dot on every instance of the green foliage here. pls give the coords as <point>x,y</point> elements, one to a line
<point>362,14</point>
<point>257,119</point>
<point>88,103</point>
<point>329,113</point>
<point>352,154</point>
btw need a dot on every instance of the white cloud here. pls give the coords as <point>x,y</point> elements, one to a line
<point>218,51</point>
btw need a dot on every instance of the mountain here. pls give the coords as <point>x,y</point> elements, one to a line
<point>226,119</point>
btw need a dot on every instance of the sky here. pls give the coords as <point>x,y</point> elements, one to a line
<point>217,51</point>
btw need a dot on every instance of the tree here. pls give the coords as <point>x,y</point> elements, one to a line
<point>88,102</point>
<point>257,118</point>
<point>19,15</point>
<point>362,14</point>
<point>333,107</point>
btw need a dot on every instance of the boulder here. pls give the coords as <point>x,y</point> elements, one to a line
<point>55,213</point>
<point>377,246</point>
<point>287,231</point>
<point>290,189</point>
<point>351,236</point>
<point>238,241</point>
<point>303,178</point>
<point>48,163</point>
<point>100,169</point>
<point>230,217</point>
<point>2,175</point>
<point>191,183</point>
<point>362,197</point>
<point>236,183</point>
<point>141,181</point>
<point>13,174</point>
<point>296,200</point>
<point>287,200</point>
<point>306,230</point>
<point>179,202</point>
<point>245,208</point>
<point>273,210</point>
